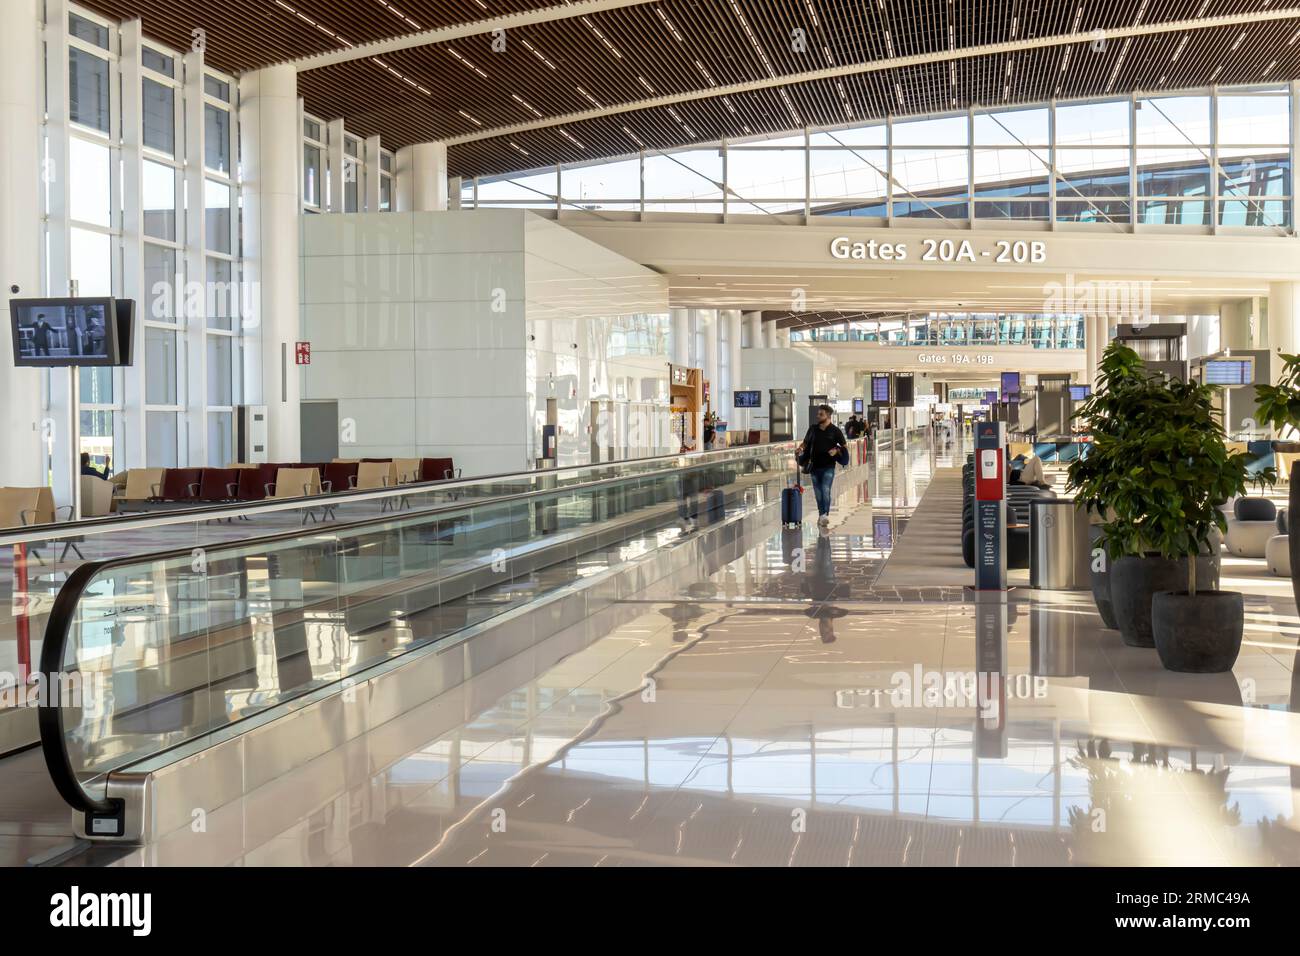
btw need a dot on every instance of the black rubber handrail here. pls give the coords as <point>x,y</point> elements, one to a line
<point>64,609</point>
<point>59,529</point>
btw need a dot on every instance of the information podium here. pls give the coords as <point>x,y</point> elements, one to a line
<point>990,507</point>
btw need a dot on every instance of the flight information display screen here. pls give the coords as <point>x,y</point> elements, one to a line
<point>880,390</point>
<point>1229,372</point>
<point>1010,386</point>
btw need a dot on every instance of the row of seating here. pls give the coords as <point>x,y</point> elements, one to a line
<point>1019,500</point>
<point>279,480</point>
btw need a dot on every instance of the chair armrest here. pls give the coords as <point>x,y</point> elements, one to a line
<point>352,482</point>
<point>232,489</point>
<point>22,516</point>
<point>269,488</point>
<point>327,487</point>
<point>156,489</point>
<point>194,489</point>
<point>68,508</point>
<point>306,490</point>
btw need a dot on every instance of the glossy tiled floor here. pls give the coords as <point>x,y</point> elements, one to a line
<point>794,707</point>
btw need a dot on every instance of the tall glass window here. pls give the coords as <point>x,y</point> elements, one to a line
<point>1192,159</point>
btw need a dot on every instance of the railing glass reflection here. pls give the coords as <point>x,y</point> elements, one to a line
<point>175,646</point>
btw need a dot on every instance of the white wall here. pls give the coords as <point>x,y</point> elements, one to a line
<point>807,371</point>
<point>441,333</point>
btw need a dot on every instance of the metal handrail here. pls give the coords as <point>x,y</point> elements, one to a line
<point>63,612</point>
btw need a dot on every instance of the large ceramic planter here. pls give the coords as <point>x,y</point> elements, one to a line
<point>1134,581</point>
<point>1099,577</point>
<point>1197,633</point>
<point>1293,539</point>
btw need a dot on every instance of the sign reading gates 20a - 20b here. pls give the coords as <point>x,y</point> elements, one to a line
<point>1000,251</point>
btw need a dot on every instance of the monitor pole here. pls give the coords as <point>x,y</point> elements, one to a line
<point>74,426</point>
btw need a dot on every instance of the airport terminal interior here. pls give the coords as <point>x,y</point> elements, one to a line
<point>649,433</point>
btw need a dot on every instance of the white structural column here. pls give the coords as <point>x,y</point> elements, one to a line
<point>783,338</point>
<point>1091,349</point>
<point>1235,324</point>
<point>736,376</point>
<point>769,335</point>
<point>754,330</point>
<point>681,336</point>
<point>21,62</point>
<point>268,116</point>
<point>422,178</point>
<point>1283,317</point>
<point>1099,326</point>
<point>708,326</point>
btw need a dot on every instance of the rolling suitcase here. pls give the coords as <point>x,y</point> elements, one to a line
<point>792,502</point>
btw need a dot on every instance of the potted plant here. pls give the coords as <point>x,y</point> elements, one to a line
<point>1278,406</point>
<point>1093,476</point>
<point>1158,471</point>
<point>1196,630</point>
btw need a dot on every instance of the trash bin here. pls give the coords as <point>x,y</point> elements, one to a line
<point>1058,545</point>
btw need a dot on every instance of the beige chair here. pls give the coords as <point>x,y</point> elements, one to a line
<point>22,506</point>
<point>143,484</point>
<point>96,497</point>
<point>297,482</point>
<point>407,469</point>
<point>375,474</point>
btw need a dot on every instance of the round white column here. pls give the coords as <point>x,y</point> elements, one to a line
<point>754,329</point>
<point>272,151</point>
<point>709,333</point>
<point>1283,317</point>
<point>734,322</point>
<point>769,335</point>
<point>421,177</point>
<point>681,335</point>
<point>21,61</point>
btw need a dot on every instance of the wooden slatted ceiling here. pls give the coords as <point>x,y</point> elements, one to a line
<point>623,56</point>
<point>1147,64</point>
<point>247,34</point>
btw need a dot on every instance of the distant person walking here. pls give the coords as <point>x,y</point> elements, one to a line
<point>41,336</point>
<point>821,450</point>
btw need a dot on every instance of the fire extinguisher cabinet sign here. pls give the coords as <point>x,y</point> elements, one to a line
<point>302,353</point>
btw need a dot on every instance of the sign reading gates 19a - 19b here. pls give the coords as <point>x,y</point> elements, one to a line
<point>1001,252</point>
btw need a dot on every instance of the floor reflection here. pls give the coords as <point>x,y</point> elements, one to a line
<point>786,709</point>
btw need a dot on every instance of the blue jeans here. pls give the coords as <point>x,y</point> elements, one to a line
<point>822,479</point>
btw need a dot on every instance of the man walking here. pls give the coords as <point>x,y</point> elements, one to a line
<point>822,449</point>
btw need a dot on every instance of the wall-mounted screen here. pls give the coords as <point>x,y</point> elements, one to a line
<point>1230,372</point>
<point>880,390</point>
<point>857,406</point>
<point>1080,393</point>
<point>52,333</point>
<point>990,398</point>
<point>1010,386</point>
<point>748,399</point>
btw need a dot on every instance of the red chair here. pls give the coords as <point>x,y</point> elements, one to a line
<point>257,482</point>
<point>219,484</point>
<point>180,484</point>
<point>437,469</point>
<point>339,476</point>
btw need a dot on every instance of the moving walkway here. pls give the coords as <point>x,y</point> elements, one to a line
<point>36,562</point>
<point>181,680</point>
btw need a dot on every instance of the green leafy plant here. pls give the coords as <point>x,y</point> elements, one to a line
<point>1158,468</point>
<point>1279,405</point>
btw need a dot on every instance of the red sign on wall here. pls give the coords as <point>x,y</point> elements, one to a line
<point>302,353</point>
